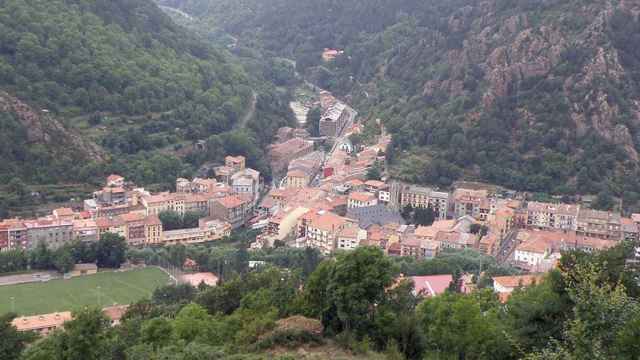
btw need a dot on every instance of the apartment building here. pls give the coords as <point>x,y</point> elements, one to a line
<point>208,230</point>
<point>322,229</point>
<point>474,203</point>
<point>282,154</point>
<point>552,216</point>
<point>423,197</point>
<point>54,233</point>
<point>361,199</point>
<point>599,224</point>
<point>233,209</point>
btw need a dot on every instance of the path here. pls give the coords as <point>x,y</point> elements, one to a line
<point>177,11</point>
<point>252,110</point>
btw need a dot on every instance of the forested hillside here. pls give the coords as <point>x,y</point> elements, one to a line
<point>120,77</point>
<point>534,95</point>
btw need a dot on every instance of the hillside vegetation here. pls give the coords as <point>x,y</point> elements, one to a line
<point>89,87</point>
<point>534,95</point>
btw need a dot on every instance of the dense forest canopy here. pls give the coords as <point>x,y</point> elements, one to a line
<point>90,87</point>
<point>588,308</point>
<point>534,95</point>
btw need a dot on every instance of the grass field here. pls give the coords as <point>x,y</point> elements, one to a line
<point>102,289</point>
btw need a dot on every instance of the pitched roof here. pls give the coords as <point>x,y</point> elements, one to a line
<point>362,196</point>
<point>26,323</point>
<point>327,221</point>
<point>431,285</point>
<point>231,201</point>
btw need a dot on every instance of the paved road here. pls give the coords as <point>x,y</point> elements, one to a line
<point>28,278</point>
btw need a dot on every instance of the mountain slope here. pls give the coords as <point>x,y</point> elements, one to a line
<point>534,95</point>
<point>124,81</point>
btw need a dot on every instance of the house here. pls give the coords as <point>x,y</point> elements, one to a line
<point>297,179</point>
<point>233,209</point>
<point>84,269</point>
<point>63,214</point>
<point>361,199</point>
<point>115,313</point>
<point>113,225</point>
<point>282,154</point>
<point>537,246</point>
<point>330,54</point>
<point>42,324</point>
<point>350,238</point>
<point>630,229</point>
<point>114,180</point>
<point>237,163</point>
<point>195,279</point>
<point>504,285</point>
<point>431,285</point>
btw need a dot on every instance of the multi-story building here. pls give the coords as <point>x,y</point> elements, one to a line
<point>237,163</point>
<point>297,179</point>
<point>4,236</point>
<point>472,203</point>
<point>17,234</point>
<point>233,209</point>
<point>113,225</point>
<point>208,230</point>
<point>54,233</point>
<point>423,197</point>
<point>350,237</point>
<point>153,230</point>
<point>85,230</point>
<point>246,182</point>
<point>361,199</point>
<point>282,154</point>
<point>552,216</point>
<point>630,229</point>
<point>335,118</point>
<point>42,324</point>
<point>322,229</point>
<point>599,224</point>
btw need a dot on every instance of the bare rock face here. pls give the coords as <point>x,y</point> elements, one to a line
<point>42,128</point>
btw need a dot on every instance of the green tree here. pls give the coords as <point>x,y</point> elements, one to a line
<point>41,257</point>
<point>313,121</point>
<point>350,287</point>
<point>12,342</point>
<point>157,331</point>
<point>63,260</point>
<point>459,326</point>
<point>110,251</point>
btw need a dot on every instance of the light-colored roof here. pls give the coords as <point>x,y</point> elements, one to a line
<point>36,322</point>
<point>517,280</point>
<point>116,312</point>
<point>431,285</point>
<point>63,212</point>
<point>197,278</point>
<point>362,196</point>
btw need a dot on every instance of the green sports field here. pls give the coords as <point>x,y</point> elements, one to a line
<point>102,289</point>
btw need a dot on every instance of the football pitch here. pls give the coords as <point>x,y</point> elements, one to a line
<point>101,290</point>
